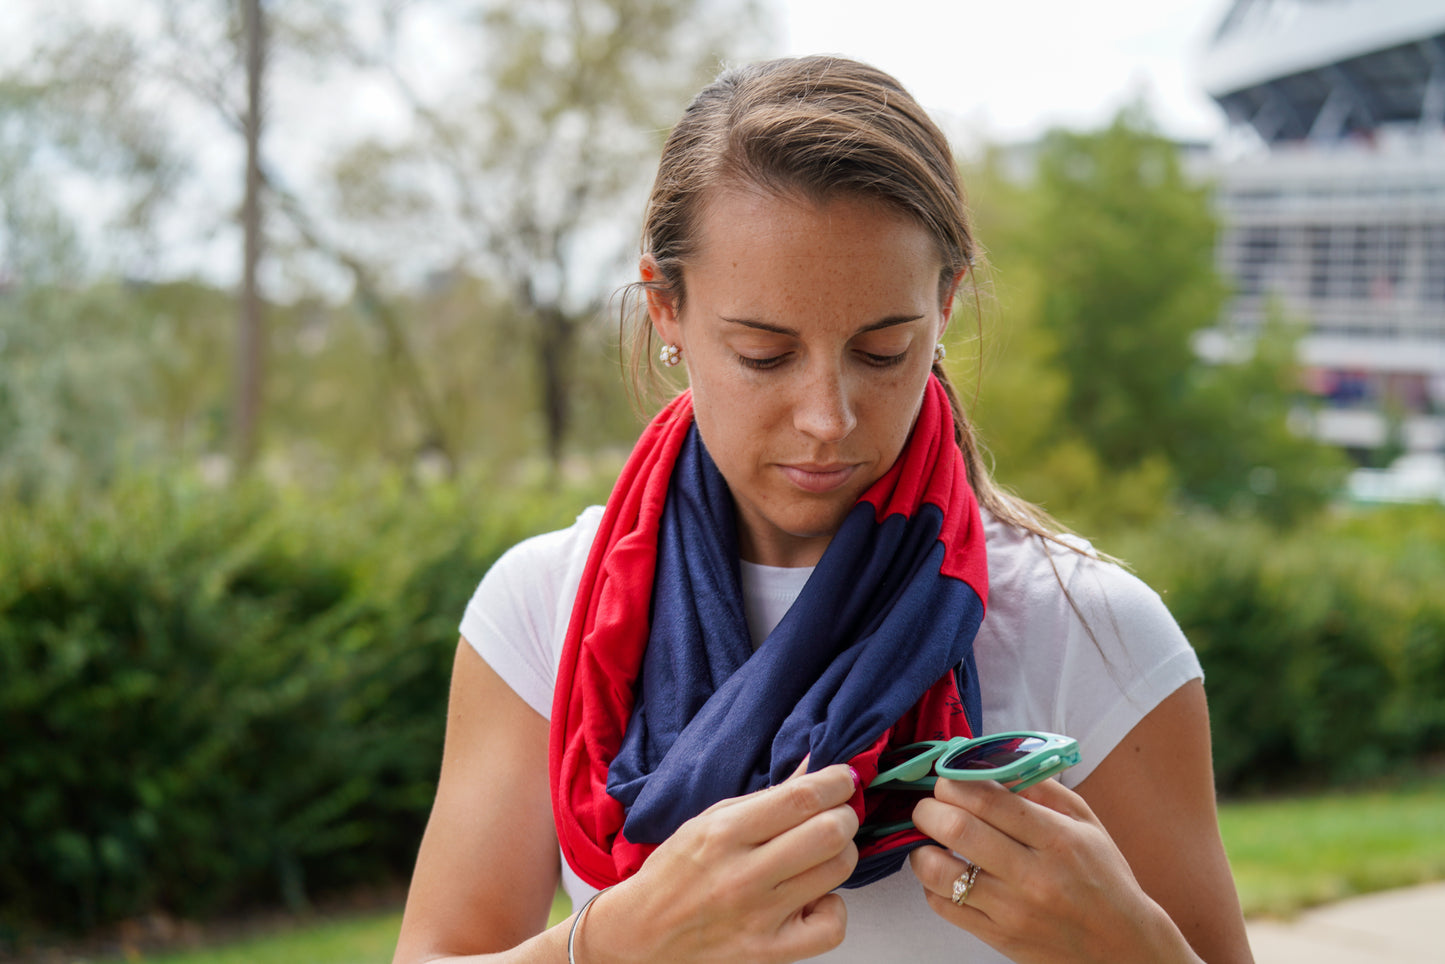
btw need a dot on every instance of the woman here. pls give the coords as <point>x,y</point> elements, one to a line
<point>804,564</point>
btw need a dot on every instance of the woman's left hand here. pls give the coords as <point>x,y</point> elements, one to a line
<point>1052,885</point>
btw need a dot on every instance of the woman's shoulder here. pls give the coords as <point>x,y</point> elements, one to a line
<point>554,552</point>
<point>1064,580</point>
<point>536,577</point>
<point>516,617</point>
<point>1074,643</point>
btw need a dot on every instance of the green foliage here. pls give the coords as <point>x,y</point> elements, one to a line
<point>1237,449</point>
<point>1124,245</point>
<point>1323,647</point>
<point>530,168</point>
<point>213,697</point>
<point>104,376</point>
<point>37,240</point>
<point>75,381</point>
<point>1097,404</point>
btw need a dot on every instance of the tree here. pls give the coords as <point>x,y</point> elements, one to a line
<point>122,100</point>
<point>251,328</point>
<point>95,85</point>
<point>1019,401</point>
<point>1242,453</point>
<point>1101,408</point>
<point>525,170</point>
<point>75,108</point>
<point>532,169</point>
<point>1124,245</point>
<point>71,381</point>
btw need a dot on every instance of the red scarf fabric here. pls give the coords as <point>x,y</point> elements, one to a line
<point>902,588</point>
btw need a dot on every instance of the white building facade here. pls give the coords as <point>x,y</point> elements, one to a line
<point>1334,212</point>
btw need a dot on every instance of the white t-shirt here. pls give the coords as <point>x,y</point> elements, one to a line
<point>1038,669</point>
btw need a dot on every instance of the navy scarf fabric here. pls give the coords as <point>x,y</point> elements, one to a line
<point>877,651</point>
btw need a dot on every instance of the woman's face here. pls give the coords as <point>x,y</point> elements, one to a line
<point>808,334</point>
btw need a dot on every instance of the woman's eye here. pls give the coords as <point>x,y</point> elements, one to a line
<point>762,364</point>
<point>883,361</point>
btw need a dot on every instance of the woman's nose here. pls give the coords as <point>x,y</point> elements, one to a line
<point>824,407</point>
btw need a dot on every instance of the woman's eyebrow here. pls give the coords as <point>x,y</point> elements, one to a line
<point>888,322</point>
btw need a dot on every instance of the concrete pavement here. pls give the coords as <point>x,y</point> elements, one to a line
<point>1400,927</point>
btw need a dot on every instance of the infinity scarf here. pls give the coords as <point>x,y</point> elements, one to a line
<point>662,708</point>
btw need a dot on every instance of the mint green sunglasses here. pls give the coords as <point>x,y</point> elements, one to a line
<point>1018,759</point>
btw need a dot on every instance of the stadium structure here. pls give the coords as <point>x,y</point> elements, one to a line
<point>1335,211</point>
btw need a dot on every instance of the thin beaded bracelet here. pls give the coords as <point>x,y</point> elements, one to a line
<point>577,923</point>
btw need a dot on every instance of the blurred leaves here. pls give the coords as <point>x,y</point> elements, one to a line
<point>216,692</point>
<point>75,375</point>
<point>1323,647</point>
<point>1097,405</point>
<point>527,169</point>
<point>218,696</point>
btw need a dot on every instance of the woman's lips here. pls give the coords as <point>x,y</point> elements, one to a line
<point>818,478</point>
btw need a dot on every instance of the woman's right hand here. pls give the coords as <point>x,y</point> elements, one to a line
<point>747,879</point>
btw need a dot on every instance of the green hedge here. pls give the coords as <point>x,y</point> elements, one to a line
<point>1323,648</point>
<point>210,698</point>
<point>217,697</point>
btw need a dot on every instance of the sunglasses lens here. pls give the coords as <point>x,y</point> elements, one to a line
<point>907,764</point>
<point>896,757</point>
<point>992,754</point>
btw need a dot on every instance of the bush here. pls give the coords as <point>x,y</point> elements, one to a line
<point>1323,648</point>
<point>218,697</point>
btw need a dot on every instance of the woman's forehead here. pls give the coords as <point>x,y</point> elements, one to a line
<point>736,220</point>
<point>849,261</point>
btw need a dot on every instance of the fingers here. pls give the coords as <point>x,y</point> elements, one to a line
<point>771,813</point>
<point>1030,816</point>
<point>817,854</point>
<point>965,833</point>
<point>817,928</point>
<point>938,871</point>
<point>795,840</point>
<point>998,855</point>
<point>815,857</point>
<point>998,830</point>
<point>754,874</point>
<point>1058,798</point>
<point>817,881</point>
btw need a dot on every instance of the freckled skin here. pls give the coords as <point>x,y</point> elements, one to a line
<point>808,333</point>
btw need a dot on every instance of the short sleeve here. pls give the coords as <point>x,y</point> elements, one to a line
<point>1073,644</point>
<point>517,618</point>
<point>1126,655</point>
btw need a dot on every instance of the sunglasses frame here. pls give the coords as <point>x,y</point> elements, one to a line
<point>935,757</point>
<point>918,771</point>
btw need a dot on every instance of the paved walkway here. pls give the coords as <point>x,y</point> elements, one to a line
<point>1399,927</point>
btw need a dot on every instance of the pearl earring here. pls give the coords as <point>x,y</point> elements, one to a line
<point>670,355</point>
<point>940,352</point>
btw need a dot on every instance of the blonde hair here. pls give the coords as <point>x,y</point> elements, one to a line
<point>816,128</point>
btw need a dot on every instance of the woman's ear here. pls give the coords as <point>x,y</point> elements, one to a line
<point>661,309</point>
<point>948,301</point>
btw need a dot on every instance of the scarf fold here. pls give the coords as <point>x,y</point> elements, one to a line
<point>663,708</point>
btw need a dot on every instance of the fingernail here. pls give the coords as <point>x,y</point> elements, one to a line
<point>857,780</point>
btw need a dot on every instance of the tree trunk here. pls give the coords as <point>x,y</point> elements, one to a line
<point>251,333</point>
<point>554,356</point>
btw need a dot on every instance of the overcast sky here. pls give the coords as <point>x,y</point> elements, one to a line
<point>1009,69</point>
<point>988,70</point>
<point>999,70</point>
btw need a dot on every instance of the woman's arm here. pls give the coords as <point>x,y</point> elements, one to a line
<point>488,865</point>
<point>1130,868</point>
<point>750,878</point>
<point>1155,795</point>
